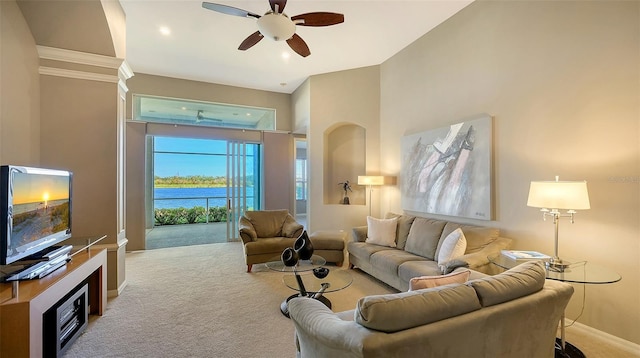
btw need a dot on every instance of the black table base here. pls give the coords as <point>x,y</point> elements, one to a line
<point>570,351</point>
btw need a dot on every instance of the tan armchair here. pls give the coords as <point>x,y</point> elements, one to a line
<point>266,233</point>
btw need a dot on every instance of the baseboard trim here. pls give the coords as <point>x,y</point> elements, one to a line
<point>620,343</point>
<point>117,292</point>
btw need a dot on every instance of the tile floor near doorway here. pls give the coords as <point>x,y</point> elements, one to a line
<point>186,235</point>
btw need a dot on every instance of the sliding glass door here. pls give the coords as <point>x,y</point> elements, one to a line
<point>208,183</point>
<point>243,183</point>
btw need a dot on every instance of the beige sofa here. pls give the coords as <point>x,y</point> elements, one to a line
<point>513,314</point>
<point>418,241</point>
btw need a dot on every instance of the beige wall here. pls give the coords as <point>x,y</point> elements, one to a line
<point>562,82</point>
<point>345,97</point>
<point>85,26</point>
<point>19,90</point>
<point>62,119</point>
<point>278,163</point>
<point>301,104</point>
<point>70,141</point>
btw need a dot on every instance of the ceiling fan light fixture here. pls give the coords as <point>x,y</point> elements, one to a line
<point>277,27</point>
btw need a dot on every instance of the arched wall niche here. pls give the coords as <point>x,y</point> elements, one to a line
<point>345,148</point>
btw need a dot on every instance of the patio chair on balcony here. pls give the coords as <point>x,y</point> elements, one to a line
<point>266,233</point>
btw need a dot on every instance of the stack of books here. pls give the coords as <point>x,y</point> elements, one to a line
<point>525,255</point>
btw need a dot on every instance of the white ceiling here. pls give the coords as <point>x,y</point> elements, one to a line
<point>203,44</point>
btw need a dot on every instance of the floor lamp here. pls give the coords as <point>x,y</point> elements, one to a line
<point>551,196</point>
<point>370,181</point>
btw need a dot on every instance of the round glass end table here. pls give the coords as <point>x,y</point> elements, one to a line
<point>575,272</point>
<point>303,279</point>
<point>276,264</point>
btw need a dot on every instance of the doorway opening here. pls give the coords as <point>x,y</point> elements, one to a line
<point>199,188</point>
<point>302,190</point>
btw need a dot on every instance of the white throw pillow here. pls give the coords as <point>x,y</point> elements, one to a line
<point>454,245</point>
<point>381,231</point>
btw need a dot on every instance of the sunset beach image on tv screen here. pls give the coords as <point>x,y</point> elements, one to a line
<point>40,207</point>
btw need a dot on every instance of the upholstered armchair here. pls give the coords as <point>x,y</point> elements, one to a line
<point>266,233</point>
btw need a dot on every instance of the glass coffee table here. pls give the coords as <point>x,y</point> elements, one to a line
<point>302,279</point>
<point>576,272</point>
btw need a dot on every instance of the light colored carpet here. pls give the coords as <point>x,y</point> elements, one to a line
<point>198,301</point>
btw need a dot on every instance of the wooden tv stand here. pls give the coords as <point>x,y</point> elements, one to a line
<point>21,318</point>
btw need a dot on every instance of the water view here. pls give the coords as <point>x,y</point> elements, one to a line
<point>173,198</point>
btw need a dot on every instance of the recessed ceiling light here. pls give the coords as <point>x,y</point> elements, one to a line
<point>184,108</point>
<point>248,114</point>
<point>165,30</point>
<point>286,55</point>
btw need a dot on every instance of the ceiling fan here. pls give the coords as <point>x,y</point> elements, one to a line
<point>277,26</point>
<point>201,117</point>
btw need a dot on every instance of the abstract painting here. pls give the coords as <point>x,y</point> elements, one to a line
<point>447,171</point>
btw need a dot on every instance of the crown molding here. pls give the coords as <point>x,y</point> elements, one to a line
<point>125,70</point>
<point>123,86</point>
<point>51,71</point>
<point>83,58</point>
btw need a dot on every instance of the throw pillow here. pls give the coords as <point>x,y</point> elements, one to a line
<point>418,283</point>
<point>381,231</point>
<point>424,236</point>
<point>478,237</point>
<point>399,311</point>
<point>520,281</point>
<point>452,246</point>
<point>404,225</point>
<point>451,265</point>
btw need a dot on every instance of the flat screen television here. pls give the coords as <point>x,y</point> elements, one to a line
<point>35,210</point>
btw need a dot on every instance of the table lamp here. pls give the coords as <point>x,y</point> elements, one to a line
<point>551,196</point>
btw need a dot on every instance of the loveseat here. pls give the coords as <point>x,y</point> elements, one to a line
<point>512,314</point>
<point>415,247</point>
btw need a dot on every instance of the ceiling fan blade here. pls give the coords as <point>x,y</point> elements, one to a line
<point>298,45</point>
<point>318,19</point>
<point>200,117</point>
<point>229,10</point>
<point>253,39</point>
<point>281,4</point>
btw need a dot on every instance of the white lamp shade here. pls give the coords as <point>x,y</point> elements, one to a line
<point>568,195</point>
<point>277,27</point>
<point>370,180</point>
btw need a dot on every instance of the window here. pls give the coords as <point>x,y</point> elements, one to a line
<point>301,179</point>
<point>197,113</point>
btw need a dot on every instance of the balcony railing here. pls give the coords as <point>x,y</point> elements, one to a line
<point>190,215</point>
